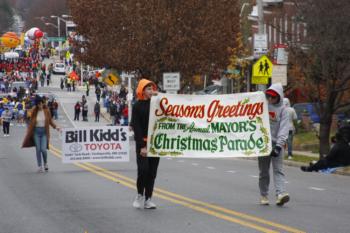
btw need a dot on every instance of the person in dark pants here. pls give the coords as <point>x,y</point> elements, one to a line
<point>146,166</point>
<point>6,117</point>
<point>338,156</point>
<point>98,93</point>
<point>77,111</point>
<point>97,110</point>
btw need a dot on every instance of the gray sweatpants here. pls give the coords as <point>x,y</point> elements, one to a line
<point>278,176</point>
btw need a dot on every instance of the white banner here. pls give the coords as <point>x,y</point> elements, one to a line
<point>95,144</point>
<point>209,126</point>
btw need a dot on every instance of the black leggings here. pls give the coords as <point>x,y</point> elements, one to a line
<point>146,174</point>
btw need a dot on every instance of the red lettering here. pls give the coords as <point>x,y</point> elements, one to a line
<point>162,101</point>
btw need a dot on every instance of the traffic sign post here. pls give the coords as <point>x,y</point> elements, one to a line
<point>260,45</point>
<point>171,82</point>
<point>262,71</point>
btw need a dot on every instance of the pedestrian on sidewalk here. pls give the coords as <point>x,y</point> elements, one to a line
<point>77,111</point>
<point>87,87</point>
<point>146,166</point>
<point>6,117</point>
<point>98,93</point>
<point>292,118</point>
<point>279,126</point>
<point>97,110</point>
<point>38,132</point>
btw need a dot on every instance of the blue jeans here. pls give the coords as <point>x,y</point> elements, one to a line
<point>40,140</point>
<point>290,143</point>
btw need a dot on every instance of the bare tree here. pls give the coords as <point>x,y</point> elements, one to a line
<point>157,36</point>
<point>6,14</point>
<point>36,13</point>
<point>324,59</point>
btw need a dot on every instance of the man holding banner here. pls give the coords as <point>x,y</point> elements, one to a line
<point>279,125</point>
<point>146,167</point>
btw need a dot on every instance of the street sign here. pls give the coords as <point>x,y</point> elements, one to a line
<point>111,78</point>
<point>56,39</point>
<point>262,71</point>
<point>280,54</point>
<point>279,74</point>
<point>171,81</point>
<point>260,45</point>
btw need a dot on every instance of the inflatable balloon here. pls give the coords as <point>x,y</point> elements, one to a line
<point>34,33</point>
<point>10,40</point>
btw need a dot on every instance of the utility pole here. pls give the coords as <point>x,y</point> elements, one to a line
<point>261,30</point>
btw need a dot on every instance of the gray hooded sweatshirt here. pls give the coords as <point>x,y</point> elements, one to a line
<point>279,120</point>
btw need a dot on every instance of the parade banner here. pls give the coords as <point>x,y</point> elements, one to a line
<point>209,126</point>
<point>95,144</point>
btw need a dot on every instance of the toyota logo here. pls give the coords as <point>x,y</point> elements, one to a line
<point>75,147</point>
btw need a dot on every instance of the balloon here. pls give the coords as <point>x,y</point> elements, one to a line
<point>34,33</point>
<point>38,34</point>
<point>10,40</point>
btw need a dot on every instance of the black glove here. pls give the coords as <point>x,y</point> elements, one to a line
<point>276,151</point>
<point>305,169</point>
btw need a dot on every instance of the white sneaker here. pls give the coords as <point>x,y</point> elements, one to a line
<point>149,204</point>
<point>282,199</point>
<point>40,170</point>
<point>264,200</point>
<point>138,201</point>
<point>289,157</point>
<point>46,167</point>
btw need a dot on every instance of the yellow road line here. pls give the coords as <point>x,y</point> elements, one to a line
<point>188,202</point>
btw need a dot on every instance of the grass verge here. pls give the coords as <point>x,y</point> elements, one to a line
<point>302,158</point>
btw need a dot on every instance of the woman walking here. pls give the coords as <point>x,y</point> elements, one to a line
<point>38,132</point>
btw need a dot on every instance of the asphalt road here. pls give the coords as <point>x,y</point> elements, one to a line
<point>193,195</point>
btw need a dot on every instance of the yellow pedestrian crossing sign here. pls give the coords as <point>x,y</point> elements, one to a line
<point>262,71</point>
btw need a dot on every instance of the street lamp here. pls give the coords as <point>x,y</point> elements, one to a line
<point>66,16</point>
<point>59,32</point>
<point>51,24</point>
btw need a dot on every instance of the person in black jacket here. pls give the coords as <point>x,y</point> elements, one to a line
<point>338,156</point>
<point>146,166</point>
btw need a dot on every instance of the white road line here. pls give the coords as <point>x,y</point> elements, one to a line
<point>64,110</point>
<point>195,164</point>
<point>169,158</point>
<point>254,176</point>
<point>317,189</point>
<point>211,168</point>
<point>231,171</point>
<point>286,182</point>
<point>181,161</point>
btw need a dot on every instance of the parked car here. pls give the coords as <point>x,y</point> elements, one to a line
<point>59,68</point>
<point>311,110</point>
<point>211,90</point>
<point>307,108</point>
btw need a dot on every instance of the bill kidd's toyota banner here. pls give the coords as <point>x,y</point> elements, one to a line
<point>95,144</point>
<point>209,126</point>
